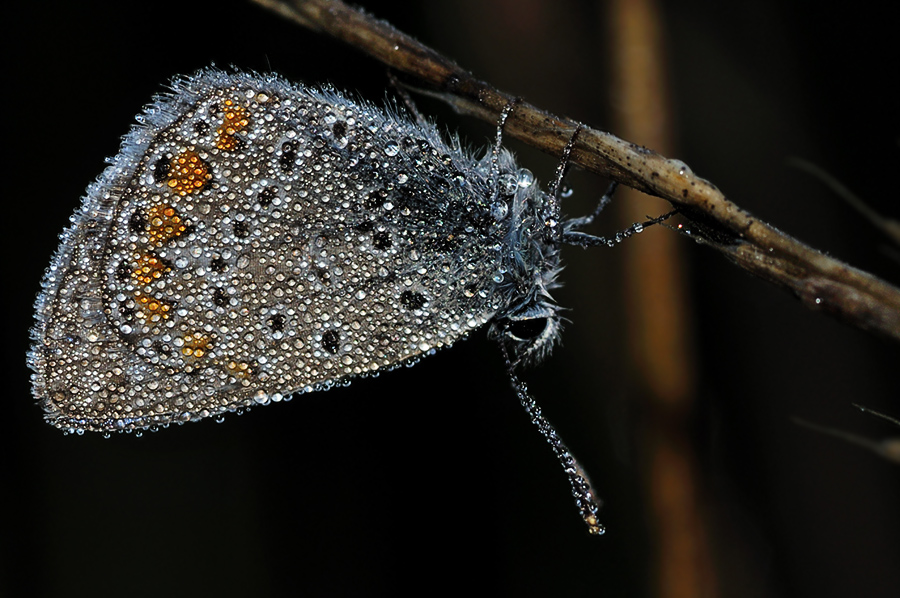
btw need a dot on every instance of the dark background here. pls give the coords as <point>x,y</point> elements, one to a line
<point>431,478</point>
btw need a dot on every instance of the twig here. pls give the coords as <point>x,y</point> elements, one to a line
<point>888,226</point>
<point>889,448</point>
<point>660,338</point>
<point>888,418</point>
<point>820,282</point>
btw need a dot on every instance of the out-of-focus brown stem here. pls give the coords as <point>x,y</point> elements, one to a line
<point>819,281</point>
<point>658,319</point>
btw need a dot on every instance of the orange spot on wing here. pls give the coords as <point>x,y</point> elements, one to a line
<point>239,369</point>
<point>188,174</point>
<point>151,308</point>
<point>164,223</point>
<point>235,120</point>
<point>195,346</point>
<point>147,267</point>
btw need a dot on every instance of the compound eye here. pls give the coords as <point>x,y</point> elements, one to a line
<point>526,330</point>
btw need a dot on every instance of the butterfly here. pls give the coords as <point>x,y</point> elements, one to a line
<point>255,239</point>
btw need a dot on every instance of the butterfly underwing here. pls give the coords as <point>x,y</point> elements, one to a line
<point>255,239</point>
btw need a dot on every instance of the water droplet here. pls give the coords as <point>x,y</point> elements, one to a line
<point>525,178</point>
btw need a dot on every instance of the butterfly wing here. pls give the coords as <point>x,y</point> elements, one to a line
<point>255,239</point>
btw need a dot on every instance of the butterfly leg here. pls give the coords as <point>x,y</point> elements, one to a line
<point>407,100</point>
<point>574,237</point>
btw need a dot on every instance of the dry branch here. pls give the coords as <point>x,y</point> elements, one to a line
<point>819,281</point>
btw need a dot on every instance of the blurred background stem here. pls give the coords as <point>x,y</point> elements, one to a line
<point>659,322</point>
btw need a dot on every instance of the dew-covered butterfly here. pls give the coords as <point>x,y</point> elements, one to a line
<point>255,239</point>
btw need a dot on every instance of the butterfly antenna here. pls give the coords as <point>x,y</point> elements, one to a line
<point>588,504</point>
